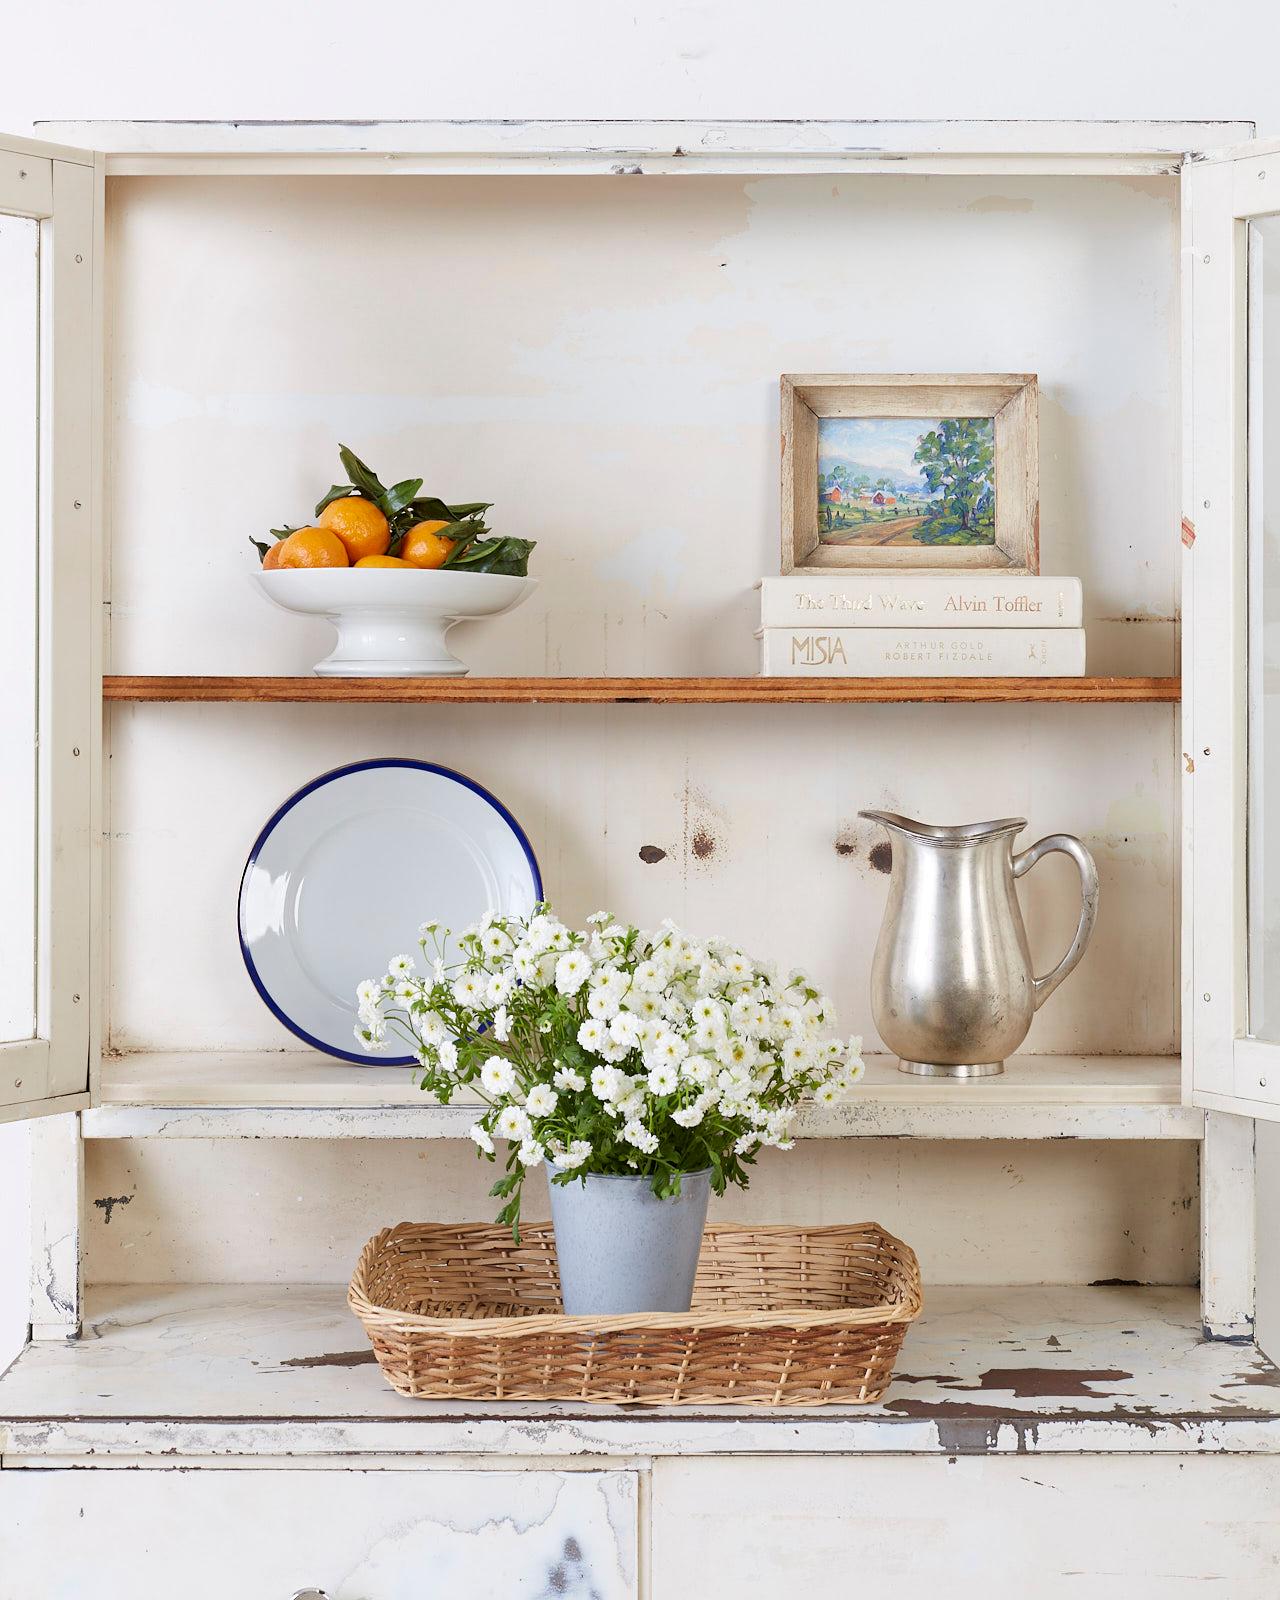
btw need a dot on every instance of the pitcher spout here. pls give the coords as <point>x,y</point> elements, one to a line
<point>964,833</point>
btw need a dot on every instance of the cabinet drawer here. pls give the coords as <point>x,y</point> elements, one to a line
<point>258,1534</point>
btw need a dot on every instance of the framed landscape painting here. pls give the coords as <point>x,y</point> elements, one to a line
<point>910,470</point>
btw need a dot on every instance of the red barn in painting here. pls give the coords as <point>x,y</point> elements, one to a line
<point>831,497</point>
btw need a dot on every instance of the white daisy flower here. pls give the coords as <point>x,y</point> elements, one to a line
<point>572,1156</point>
<point>650,977</point>
<point>368,993</point>
<point>498,1076</point>
<point>524,961</point>
<point>689,1116</point>
<point>567,1078</point>
<point>827,1095</point>
<point>495,942</point>
<point>626,1029</point>
<point>747,1143</point>
<point>598,918</point>
<point>502,1024</point>
<point>663,1079</point>
<point>405,993</point>
<point>531,1153</point>
<point>513,1123</point>
<point>428,930</point>
<point>592,1034</point>
<point>499,988</point>
<point>476,1132</point>
<point>371,1036</point>
<point>572,971</point>
<point>697,1069</point>
<point>541,1100</point>
<point>602,1004</point>
<point>635,1133</point>
<point>468,990</point>
<point>604,1082</point>
<point>447,1054</point>
<point>400,966</point>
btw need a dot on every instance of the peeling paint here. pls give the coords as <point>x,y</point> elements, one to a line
<point>651,854</point>
<point>109,1202</point>
<point>339,1358</point>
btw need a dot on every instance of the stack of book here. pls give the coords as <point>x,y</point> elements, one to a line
<point>921,625</point>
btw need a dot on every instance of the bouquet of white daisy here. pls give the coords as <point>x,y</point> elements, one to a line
<point>610,1051</point>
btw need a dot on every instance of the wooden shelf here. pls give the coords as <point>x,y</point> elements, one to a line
<point>297,1094</point>
<point>184,1370</point>
<point>645,691</point>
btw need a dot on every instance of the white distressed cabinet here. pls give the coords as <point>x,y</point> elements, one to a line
<point>586,323</point>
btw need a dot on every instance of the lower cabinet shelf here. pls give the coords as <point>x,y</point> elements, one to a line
<point>299,1094</point>
<point>271,1371</point>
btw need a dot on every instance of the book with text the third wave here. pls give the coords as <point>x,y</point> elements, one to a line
<point>922,652</point>
<point>919,599</point>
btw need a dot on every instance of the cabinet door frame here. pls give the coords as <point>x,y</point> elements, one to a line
<point>1224,1068</point>
<point>62,190</point>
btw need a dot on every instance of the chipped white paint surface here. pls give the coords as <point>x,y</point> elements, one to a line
<point>742,804</point>
<point>355,1535</point>
<point>302,1094</point>
<point>1119,1528</point>
<point>212,1372</point>
<point>978,1211</point>
<point>1228,1238</point>
<point>57,1219</point>
<point>637,324</point>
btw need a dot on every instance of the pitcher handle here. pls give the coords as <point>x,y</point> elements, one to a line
<point>1042,988</point>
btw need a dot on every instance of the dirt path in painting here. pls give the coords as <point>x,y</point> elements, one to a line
<point>881,533</point>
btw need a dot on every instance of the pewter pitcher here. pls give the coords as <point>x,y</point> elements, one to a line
<point>952,990</point>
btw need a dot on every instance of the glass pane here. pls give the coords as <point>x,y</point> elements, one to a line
<point>1264,628</point>
<point>19,420</point>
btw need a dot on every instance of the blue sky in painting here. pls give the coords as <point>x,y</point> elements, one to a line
<point>878,446</point>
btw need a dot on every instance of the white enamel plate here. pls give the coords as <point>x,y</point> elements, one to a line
<point>348,869</point>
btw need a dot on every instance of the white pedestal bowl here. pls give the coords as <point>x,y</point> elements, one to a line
<point>392,623</point>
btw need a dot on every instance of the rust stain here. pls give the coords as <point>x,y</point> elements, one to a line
<point>1191,766</point>
<point>1188,532</point>
<point>881,856</point>
<point>339,1358</point>
<point>650,854</point>
<point>703,844</point>
<point>846,847</point>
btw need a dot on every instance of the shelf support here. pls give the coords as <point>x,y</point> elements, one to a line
<point>57,1195</point>
<point>1227,1231</point>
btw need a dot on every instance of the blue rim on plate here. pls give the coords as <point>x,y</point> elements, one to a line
<point>364,1059</point>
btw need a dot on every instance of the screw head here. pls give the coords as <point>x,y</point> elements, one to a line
<point>1262,1083</point>
<point>75,999</point>
<point>21,174</point>
<point>75,749</point>
<point>1206,505</point>
<point>79,259</point>
<point>1205,259</point>
<point>1208,996</point>
<point>76,504</point>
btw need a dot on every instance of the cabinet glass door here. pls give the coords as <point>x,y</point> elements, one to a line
<point>1231,630</point>
<point>1263,517</point>
<point>50,619</point>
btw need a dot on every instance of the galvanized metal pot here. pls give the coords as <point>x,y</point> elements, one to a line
<point>952,990</point>
<point>621,1249</point>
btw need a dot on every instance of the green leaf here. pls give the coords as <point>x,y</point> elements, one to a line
<point>456,513</point>
<point>505,555</point>
<point>261,546</point>
<point>282,533</point>
<point>367,481</point>
<point>427,508</point>
<point>340,491</point>
<point>400,495</point>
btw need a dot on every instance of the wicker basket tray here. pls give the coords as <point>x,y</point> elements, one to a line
<point>781,1317</point>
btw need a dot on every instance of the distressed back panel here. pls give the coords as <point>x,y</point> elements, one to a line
<point>977,1212</point>
<point>601,357</point>
<point>740,820</point>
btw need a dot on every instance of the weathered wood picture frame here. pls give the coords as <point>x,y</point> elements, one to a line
<point>1010,400</point>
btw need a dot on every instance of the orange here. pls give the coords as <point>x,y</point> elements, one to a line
<point>359,524</point>
<point>313,547</point>
<point>382,561</point>
<point>422,545</point>
<point>272,557</point>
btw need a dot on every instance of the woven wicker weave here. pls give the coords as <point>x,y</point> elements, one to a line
<point>781,1317</point>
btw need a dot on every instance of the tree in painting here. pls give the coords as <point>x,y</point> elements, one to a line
<point>955,460</point>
